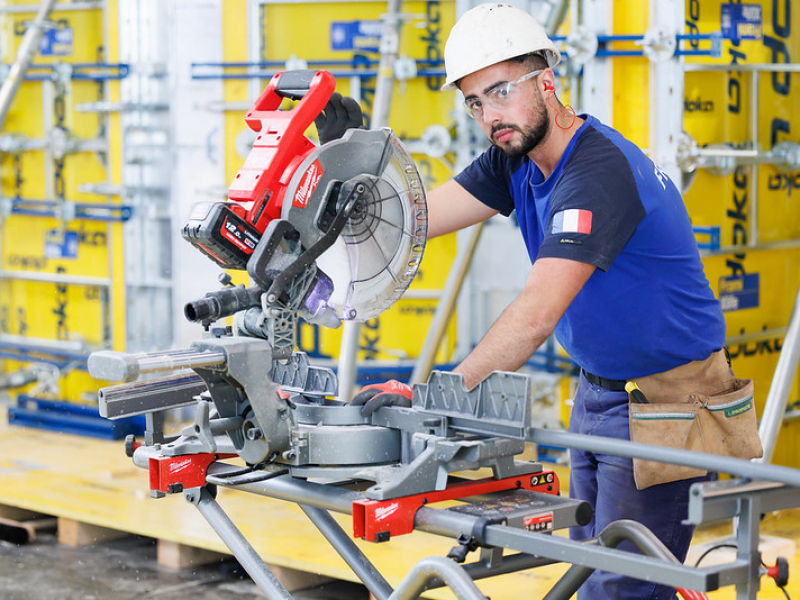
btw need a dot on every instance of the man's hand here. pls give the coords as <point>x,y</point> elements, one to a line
<point>372,397</point>
<point>340,114</point>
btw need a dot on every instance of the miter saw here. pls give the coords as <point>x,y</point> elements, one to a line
<point>330,233</point>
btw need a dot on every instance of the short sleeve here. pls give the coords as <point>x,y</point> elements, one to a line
<point>595,208</point>
<point>488,178</point>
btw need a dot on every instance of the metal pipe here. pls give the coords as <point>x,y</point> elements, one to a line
<point>778,396</point>
<point>59,6</point>
<point>735,249</point>
<point>446,305</point>
<point>55,278</point>
<point>752,238</point>
<point>238,545</point>
<point>384,84</point>
<point>31,344</point>
<point>348,357</point>
<point>612,536</point>
<point>25,53</point>
<point>285,488</point>
<point>437,567</point>
<point>675,456</point>
<point>446,523</point>
<point>768,67</point>
<point>347,549</point>
<point>110,365</point>
<point>384,88</point>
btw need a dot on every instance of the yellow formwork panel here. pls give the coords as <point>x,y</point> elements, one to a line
<point>36,247</point>
<point>749,205</point>
<point>630,87</point>
<point>302,30</point>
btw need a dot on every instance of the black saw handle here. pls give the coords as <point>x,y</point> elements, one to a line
<point>294,84</point>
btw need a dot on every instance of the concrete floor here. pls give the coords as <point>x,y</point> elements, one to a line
<point>126,569</point>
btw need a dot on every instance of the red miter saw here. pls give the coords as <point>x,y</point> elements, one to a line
<point>332,232</point>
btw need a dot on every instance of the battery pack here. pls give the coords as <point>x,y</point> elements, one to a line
<point>222,235</point>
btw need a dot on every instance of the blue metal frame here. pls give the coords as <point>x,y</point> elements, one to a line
<point>715,51</point>
<point>68,417</point>
<point>713,237</point>
<point>32,353</point>
<point>81,71</point>
<point>116,213</point>
<point>364,69</point>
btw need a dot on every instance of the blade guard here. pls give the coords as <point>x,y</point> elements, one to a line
<point>257,190</point>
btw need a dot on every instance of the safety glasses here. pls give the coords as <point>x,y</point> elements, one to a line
<point>499,96</point>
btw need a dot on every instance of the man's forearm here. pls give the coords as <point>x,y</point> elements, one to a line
<point>510,342</point>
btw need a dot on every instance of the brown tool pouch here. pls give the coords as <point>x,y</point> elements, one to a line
<point>699,406</point>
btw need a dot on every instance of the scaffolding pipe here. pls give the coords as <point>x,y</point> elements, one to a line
<point>778,397</point>
<point>25,53</point>
<point>446,305</point>
<point>384,87</point>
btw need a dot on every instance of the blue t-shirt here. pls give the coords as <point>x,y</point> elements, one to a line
<point>648,307</point>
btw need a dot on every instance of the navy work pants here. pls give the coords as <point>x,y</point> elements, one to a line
<point>607,483</point>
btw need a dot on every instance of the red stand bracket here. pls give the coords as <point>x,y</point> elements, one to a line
<point>173,474</point>
<point>379,520</point>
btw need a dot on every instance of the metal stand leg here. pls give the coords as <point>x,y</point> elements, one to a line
<point>433,568</point>
<point>351,554</point>
<point>747,539</point>
<point>238,545</point>
<point>778,397</point>
<point>446,306</point>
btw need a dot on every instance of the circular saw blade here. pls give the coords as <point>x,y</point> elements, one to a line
<point>377,254</point>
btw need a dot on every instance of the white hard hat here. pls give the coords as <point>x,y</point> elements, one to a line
<point>493,33</point>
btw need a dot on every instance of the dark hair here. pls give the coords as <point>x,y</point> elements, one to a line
<point>533,60</point>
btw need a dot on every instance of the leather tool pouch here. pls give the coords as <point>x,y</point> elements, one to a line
<point>700,406</point>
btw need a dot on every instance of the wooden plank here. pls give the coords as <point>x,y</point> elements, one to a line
<point>175,555</point>
<point>77,533</point>
<point>22,532</point>
<point>295,580</point>
<point>19,514</point>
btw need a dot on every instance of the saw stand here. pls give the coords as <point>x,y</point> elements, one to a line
<point>388,471</point>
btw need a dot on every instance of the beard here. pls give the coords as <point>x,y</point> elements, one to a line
<point>532,136</point>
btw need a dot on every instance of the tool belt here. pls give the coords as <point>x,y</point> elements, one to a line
<point>699,406</point>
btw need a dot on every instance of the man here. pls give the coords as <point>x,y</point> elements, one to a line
<point>615,273</point>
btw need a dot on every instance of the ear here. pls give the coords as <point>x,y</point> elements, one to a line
<point>548,81</point>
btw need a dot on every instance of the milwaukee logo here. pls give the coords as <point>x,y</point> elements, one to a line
<point>307,185</point>
<point>384,512</point>
<point>177,467</point>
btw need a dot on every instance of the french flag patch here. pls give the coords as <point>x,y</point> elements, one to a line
<point>572,220</point>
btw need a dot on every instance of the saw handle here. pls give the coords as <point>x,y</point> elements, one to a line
<point>313,88</point>
<point>294,84</point>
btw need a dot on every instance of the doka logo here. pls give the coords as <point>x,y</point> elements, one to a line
<point>698,105</point>
<point>308,183</point>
